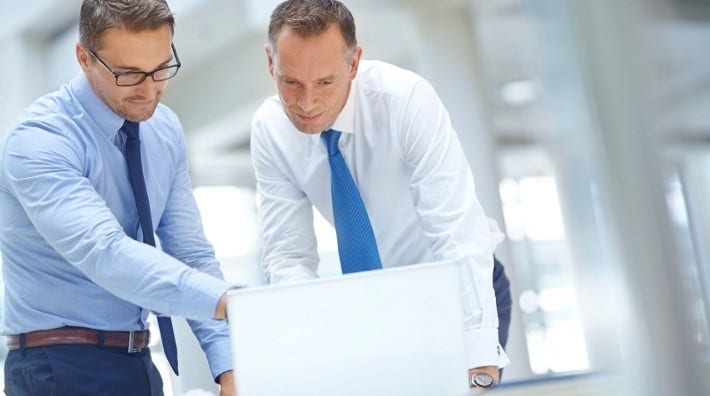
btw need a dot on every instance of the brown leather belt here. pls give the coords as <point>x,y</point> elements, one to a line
<point>133,341</point>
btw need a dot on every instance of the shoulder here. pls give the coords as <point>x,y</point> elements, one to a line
<point>385,78</point>
<point>270,119</point>
<point>52,117</point>
<point>388,93</point>
<point>270,114</point>
<point>46,132</point>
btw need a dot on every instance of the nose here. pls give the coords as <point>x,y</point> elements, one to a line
<point>147,83</point>
<point>147,87</point>
<point>307,99</point>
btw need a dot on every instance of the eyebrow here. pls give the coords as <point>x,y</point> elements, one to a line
<point>287,77</point>
<point>137,69</point>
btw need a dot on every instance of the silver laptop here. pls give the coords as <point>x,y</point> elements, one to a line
<point>396,331</point>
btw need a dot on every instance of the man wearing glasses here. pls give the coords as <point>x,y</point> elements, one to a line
<point>88,176</point>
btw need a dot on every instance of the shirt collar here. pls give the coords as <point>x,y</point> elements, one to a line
<point>346,119</point>
<point>108,122</point>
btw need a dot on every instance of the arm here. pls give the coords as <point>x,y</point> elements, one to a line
<point>47,179</point>
<point>442,188</point>
<point>182,237</point>
<point>285,216</point>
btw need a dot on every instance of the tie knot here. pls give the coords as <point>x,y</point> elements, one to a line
<point>330,138</point>
<point>131,129</point>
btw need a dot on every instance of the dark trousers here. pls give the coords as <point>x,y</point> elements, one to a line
<point>78,370</point>
<point>504,303</point>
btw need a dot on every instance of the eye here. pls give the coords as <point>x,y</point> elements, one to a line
<point>326,82</point>
<point>291,82</point>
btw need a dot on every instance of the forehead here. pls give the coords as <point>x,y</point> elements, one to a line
<point>141,48</point>
<point>323,53</point>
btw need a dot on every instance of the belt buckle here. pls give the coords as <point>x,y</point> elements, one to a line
<point>131,339</point>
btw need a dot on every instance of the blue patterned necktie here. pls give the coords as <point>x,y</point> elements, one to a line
<point>135,175</point>
<point>357,246</point>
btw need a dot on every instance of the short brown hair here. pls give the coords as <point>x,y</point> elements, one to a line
<point>135,15</point>
<point>312,17</point>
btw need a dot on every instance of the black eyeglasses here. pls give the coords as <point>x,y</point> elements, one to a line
<point>132,78</point>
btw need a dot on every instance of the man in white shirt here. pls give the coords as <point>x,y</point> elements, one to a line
<point>400,148</point>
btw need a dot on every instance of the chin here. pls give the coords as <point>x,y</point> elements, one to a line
<point>138,115</point>
<point>310,131</point>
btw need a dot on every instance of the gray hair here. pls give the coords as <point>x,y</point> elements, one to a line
<point>312,17</point>
<point>135,15</point>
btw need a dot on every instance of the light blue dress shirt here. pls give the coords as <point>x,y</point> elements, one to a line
<point>68,220</point>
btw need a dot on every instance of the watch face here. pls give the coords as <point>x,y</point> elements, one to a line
<point>483,380</point>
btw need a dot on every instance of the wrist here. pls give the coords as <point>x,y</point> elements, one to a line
<point>226,378</point>
<point>483,377</point>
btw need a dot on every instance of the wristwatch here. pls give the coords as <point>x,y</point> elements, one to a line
<point>482,380</point>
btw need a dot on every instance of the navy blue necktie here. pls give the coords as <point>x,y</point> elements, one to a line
<point>135,175</point>
<point>357,246</point>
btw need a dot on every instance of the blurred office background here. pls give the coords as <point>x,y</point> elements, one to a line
<point>587,126</point>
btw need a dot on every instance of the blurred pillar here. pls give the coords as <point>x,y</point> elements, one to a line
<point>610,43</point>
<point>577,153</point>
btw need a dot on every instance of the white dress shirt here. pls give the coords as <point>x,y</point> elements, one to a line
<point>405,157</point>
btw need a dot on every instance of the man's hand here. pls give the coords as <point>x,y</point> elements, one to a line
<point>491,370</point>
<point>221,311</point>
<point>226,384</point>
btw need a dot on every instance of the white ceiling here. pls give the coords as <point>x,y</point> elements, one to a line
<point>224,76</point>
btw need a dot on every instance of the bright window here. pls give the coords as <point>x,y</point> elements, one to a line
<point>553,329</point>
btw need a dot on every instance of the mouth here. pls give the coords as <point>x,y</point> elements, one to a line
<point>308,118</point>
<point>140,101</point>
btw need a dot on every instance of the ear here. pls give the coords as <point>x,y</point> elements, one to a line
<point>355,62</point>
<point>83,57</point>
<point>269,58</point>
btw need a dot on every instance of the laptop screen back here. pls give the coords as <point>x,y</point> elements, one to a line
<point>397,331</point>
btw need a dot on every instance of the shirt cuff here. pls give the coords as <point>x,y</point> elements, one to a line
<point>219,357</point>
<point>483,349</point>
<point>292,274</point>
